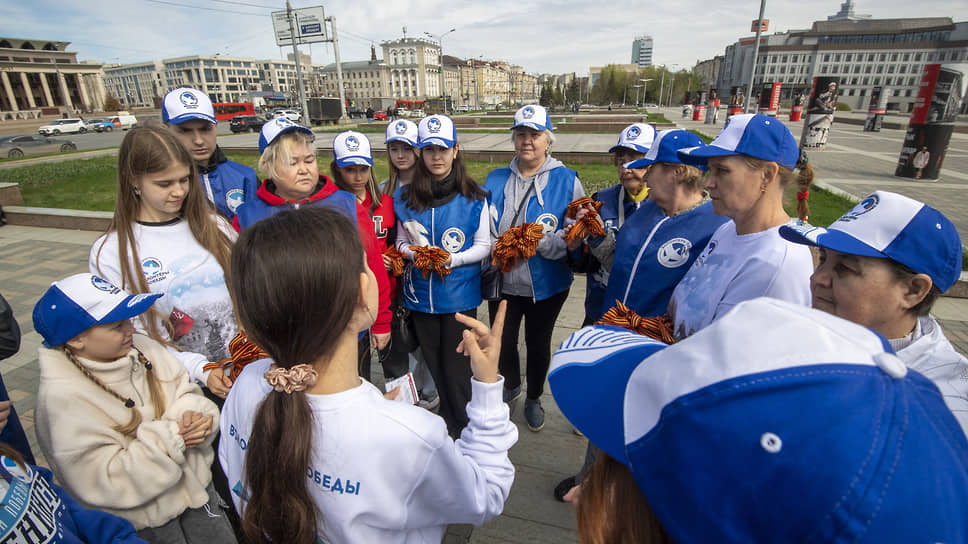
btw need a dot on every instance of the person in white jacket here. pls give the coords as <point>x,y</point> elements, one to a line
<point>314,453</point>
<point>121,424</point>
<point>883,264</point>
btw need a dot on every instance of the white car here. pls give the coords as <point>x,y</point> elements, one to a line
<point>63,126</point>
<point>462,108</point>
<point>292,115</point>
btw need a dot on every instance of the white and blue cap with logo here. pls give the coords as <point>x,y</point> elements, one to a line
<point>436,130</point>
<point>666,148</point>
<point>893,226</point>
<point>532,116</point>
<point>184,104</point>
<point>777,423</point>
<point>402,130</point>
<point>352,148</point>
<point>754,135</point>
<point>637,137</point>
<point>76,303</point>
<point>277,127</point>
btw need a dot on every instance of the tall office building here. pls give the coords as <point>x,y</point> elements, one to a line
<point>642,51</point>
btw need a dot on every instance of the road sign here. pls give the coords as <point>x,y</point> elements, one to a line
<point>764,24</point>
<point>309,24</point>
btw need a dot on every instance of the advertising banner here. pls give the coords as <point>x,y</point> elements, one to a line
<point>712,107</point>
<point>736,99</point>
<point>820,113</point>
<point>940,95</point>
<point>876,109</point>
<point>796,111</point>
<point>770,99</point>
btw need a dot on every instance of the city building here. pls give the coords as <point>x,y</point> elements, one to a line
<point>38,77</point>
<point>862,52</point>
<point>135,85</point>
<point>708,72</point>
<point>642,51</point>
<point>414,67</point>
<point>362,80</point>
<point>595,71</point>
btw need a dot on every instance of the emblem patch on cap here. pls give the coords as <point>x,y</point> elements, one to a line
<point>188,100</point>
<point>401,127</point>
<point>865,206</point>
<point>433,125</point>
<point>528,112</point>
<point>103,285</point>
<point>633,133</point>
<point>352,143</point>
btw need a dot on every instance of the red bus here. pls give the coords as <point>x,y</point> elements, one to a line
<point>225,111</point>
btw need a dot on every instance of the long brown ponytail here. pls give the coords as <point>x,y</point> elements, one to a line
<point>300,265</point>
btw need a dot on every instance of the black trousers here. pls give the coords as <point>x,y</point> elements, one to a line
<point>439,335</point>
<point>539,322</point>
<point>394,363</point>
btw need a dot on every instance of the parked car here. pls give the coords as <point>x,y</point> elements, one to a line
<point>19,145</point>
<point>63,126</point>
<point>380,116</point>
<point>99,125</point>
<point>124,120</point>
<point>242,123</point>
<point>463,108</point>
<point>418,113</point>
<point>292,115</point>
<point>353,111</point>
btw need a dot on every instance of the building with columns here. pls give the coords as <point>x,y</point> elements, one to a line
<point>414,68</point>
<point>135,85</point>
<point>362,80</point>
<point>37,75</point>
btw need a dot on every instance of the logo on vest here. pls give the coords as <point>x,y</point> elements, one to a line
<point>453,239</point>
<point>548,222</point>
<point>433,125</point>
<point>352,143</point>
<point>234,199</point>
<point>865,206</point>
<point>416,232</point>
<point>633,133</point>
<point>674,253</point>
<point>189,100</point>
<point>527,112</point>
<point>104,285</point>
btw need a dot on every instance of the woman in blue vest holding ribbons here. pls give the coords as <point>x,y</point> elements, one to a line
<point>443,232</point>
<point>534,189</point>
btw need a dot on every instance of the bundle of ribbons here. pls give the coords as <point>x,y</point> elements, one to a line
<point>396,260</point>
<point>588,224</point>
<point>242,351</point>
<point>430,259</point>
<point>516,243</point>
<point>659,328</point>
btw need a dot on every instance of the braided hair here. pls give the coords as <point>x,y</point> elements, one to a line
<point>154,388</point>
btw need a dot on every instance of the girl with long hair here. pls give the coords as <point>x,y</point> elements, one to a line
<point>352,171</point>
<point>443,235</point>
<point>166,238</point>
<point>118,419</point>
<point>316,453</point>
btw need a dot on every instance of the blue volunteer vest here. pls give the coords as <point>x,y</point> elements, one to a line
<point>612,199</point>
<point>255,208</point>
<point>232,184</point>
<point>548,277</point>
<point>451,227</point>
<point>671,244</point>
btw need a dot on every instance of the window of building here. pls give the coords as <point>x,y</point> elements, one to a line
<point>917,56</point>
<point>882,57</point>
<point>826,58</point>
<point>880,69</point>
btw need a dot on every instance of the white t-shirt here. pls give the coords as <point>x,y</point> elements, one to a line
<point>385,471</point>
<point>734,268</point>
<point>174,263</point>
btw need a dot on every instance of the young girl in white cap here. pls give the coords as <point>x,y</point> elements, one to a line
<point>883,265</point>
<point>316,454</point>
<point>750,163</point>
<point>352,171</point>
<point>402,157</point>
<point>444,236</point>
<point>118,418</point>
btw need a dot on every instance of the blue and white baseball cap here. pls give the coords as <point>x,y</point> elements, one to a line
<point>184,104</point>
<point>277,127</point>
<point>77,303</point>
<point>532,116</point>
<point>666,146</point>
<point>402,130</point>
<point>777,423</point>
<point>892,226</point>
<point>755,135</point>
<point>436,130</point>
<point>352,147</point>
<point>637,137</point>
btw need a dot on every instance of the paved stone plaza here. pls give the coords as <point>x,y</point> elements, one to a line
<point>855,162</point>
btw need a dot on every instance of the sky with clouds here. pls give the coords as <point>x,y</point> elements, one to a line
<point>543,36</point>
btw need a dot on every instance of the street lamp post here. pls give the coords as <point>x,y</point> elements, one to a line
<point>645,85</point>
<point>637,87</point>
<point>440,42</point>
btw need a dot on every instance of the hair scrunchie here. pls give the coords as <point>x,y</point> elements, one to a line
<point>297,378</point>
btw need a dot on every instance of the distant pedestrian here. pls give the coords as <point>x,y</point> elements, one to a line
<point>369,113</point>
